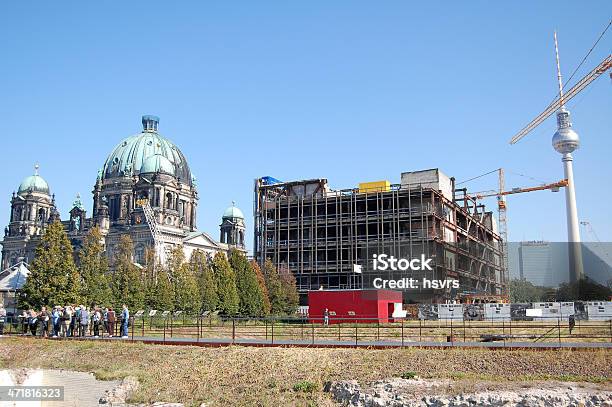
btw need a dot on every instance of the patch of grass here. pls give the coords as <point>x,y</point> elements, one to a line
<point>247,376</point>
<point>408,375</point>
<point>305,387</point>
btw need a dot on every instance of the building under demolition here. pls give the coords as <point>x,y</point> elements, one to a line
<point>328,238</point>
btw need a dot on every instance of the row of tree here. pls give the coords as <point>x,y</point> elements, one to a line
<point>231,284</point>
<point>522,291</point>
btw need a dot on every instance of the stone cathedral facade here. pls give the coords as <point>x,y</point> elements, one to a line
<point>146,166</point>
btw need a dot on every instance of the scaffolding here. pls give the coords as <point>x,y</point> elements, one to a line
<point>321,234</point>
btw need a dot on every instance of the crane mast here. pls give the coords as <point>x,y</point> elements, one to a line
<point>502,209</point>
<point>153,227</point>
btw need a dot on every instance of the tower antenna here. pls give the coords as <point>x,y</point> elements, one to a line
<point>559,77</point>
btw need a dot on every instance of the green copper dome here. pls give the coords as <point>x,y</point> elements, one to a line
<point>233,212</point>
<point>131,156</point>
<point>157,163</point>
<point>34,183</point>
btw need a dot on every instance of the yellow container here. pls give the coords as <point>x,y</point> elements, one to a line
<point>375,186</point>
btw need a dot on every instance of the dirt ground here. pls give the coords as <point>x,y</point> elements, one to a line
<point>296,376</point>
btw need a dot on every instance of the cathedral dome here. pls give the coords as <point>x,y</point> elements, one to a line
<point>147,152</point>
<point>233,212</point>
<point>34,183</point>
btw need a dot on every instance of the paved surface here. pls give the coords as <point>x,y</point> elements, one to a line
<point>80,389</point>
<point>365,344</point>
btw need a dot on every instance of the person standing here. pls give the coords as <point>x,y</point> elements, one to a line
<point>33,321</point>
<point>84,321</point>
<point>97,317</point>
<point>2,319</point>
<point>105,320</point>
<point>125,317</point>
<point>55,321</point>
<point>326,317</point>
<point>43,320</point>
<point>75,321</point>
<point>572,323</point>
<point>25,321</point>
<point>111,322</point>
<point>66,317</point>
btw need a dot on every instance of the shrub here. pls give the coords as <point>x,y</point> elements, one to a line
<point>305,386</point>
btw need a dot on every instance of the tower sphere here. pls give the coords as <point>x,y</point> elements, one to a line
<point>565,140</point>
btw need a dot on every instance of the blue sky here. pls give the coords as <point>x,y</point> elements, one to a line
<point>348,90</point>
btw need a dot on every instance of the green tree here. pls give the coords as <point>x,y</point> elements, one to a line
<point>199,265</point>
<point>275,288</point>
<point>54,278</point>
<point>186,292</point>
<point>164,291</point>
<point>583,290</point>
<point>150,278</point>
<point>226,285</point>
<point>282,289</point>
<point>525,291</point>
<point>290,292</point>
<point>159,289</point>
<point>93,267</point>
<point>262,286</point>
<point>249,292</point>
<point>127,280</point>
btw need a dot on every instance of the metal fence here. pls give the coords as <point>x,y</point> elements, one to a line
<point>358,331</point>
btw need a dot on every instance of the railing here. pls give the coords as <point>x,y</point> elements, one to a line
<point>348,331</point>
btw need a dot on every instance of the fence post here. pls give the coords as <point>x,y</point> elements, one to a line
<point>143,326</point>
<point>233,330</point>
<point>302,328</point>
<point>312,332</point>
<point>420,327</point>
<point>402,332</point>
<point>164,330</point>
<point>355,333</point>
<point>452,339</point>
<point>378,329</point>
<point>133,320</point>
<point>171,324</point>
<point>463,329</point>
<point>510,329</point>
<point>198,321</point>
<point>266,326</point>
<point>610,329</point>
<point>272,331</point>
<point>559,329</point>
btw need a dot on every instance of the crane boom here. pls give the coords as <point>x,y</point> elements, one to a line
<point>554,185</point>
<point>563,98</point>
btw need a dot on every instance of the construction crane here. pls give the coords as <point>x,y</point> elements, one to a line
<point>562,98</point>
<point>160,253</point>
<point>502,206</point>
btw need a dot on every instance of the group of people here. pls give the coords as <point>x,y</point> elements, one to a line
<point>74,321</point>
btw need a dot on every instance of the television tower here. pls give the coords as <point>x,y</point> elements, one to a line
<point>565,141</point>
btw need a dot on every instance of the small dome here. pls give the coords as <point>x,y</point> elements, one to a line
<point>233,212</point>
<point>157,163</point>
<point>34,183</point>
